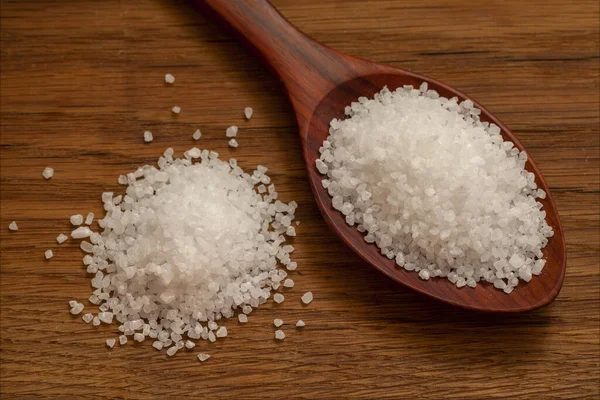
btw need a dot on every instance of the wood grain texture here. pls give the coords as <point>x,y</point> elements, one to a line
<point>320,82</point>
<point>80,82</point>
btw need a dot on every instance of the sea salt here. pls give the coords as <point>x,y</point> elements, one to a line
<point>13,226</point>
<point>48,173</point>
<point>61,238</point>
<point>279,334</point>
<point>203,357</point>
<point>307,297</point>
<point>87,318</point>
<point>242,318</point>
<point>176,109</point>
<point>300,324</point>
<point>231,131</point>
<point>278,298</point>
<point>277,322</point>
<point>197,135</point>
<point>248,112</point>
<point>435,189</point>
<point>233,143</point>
<point>148,137</point>
<point>76,219</point>
<point>48,254</point>
<point>288,283</point>
<point>89,219</point>
<point>169,78</point>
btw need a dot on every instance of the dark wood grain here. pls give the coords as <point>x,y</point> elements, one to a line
<point>320,82</point>
<point>81,81</point>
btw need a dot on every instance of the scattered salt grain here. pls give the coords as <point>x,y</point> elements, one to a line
<point>138,337</point>
<point>233,143</point>
<point>203,357</point>
<point>87,318</point>
<point>89,219</point>
<point>300,324</point>
<point>148,137</point>
<point>48,254</point>
<point>248,111</point>
<point>158,345</point>
<point>96,321</point>
<point>48,173</point>
<point>288,283</point>
<point>279,334</point>
<point>176,109</point>
<point>435,188</point>
<point>13,226</point>
<point>231,131</point>
<point>81,232</point>
<point>189,344</point>
<point>222,332</point>
<point>122,339</point>
<point>307,297</point>
<point>77,309</point>
<point>61,238</point>
<point>243,318</point>
<point>171,351</point>
<point>169,78</point>
<point>277,322</point>
<point>110,343</point>
<point>292,266</point>
<point>278,298</point>
<point>197,135</point>
<point>76,219</point>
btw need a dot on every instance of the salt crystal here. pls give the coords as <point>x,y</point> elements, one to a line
<point>277,322</point>
<point>242,318</point>
<point>248,112</point>
<point>76,219</point>
<point>189,344</point>
<point>278,298</point>
<point>122,339</point>
<point>231,131</point>
<point>148,137</point>
<point>81,232</point>
<point>48,254</point>
<point>222,332</point>
<point>307,297</point>
<point>110,343</point>
<point>61,238</point>
<point>176,109</point>
<point>289,283</point>
<point>158,345</point>
<point>138,337</point>
<point>233,143</point>
<point>197,135</point>
<point>203,357</point>
<point>300,323</point>
<point>48,173</point>
<point>87,318</point>
<point>279,334</point>
<point>169,78</point>
<point>13,226</point>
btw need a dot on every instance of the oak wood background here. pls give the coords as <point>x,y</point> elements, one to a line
<point>82,80</point>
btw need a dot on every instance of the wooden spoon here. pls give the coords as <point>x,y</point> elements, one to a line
<point>320,82</point>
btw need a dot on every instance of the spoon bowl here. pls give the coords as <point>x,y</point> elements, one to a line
<point>320,83</point>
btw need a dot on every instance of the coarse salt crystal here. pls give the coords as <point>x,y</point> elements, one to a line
<point>277,322</point>
<point>176,109</point>
<point>76,219</point>
<point>248,112</point>
<point>197,135</point>
<point>169,78</point>
<point>231,131</point>
<point>13,226</point>
<point>61,238</point>
<point>242,318</point>
<point>48,173</point>
<point>148,137</point>
<point>278,298</point>
<point>279,334</point>
<point>48,254</point>
<point>233,143</point>
<point>307,297</point>
<point>203,357</point>
<point>300,323</point>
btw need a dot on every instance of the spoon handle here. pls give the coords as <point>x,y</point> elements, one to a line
<point>308,69</point>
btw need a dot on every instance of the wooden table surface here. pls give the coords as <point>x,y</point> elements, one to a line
<point>81,82</point>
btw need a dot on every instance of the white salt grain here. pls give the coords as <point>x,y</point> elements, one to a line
<point>189,344</point>
<point>169,78</point>
<point>300,324</point>
<point>122,339</point>
<point>307,297</point>
<point>242,318</point>
<point>171,351</point>
<point>96,321</point>
<point>87,318</point>
<point>231,131</point>
<point>77,309</point>
<point>48,254</point>
<point>138,337</point>
<point>48,173</point>
<point>61,238</point>
<point>81,232</point>
<point>176,109</point>
<point>248,112</point>
<point>72,303</point>
<point>277,322</point>
<point>13,226</point>
<point>279,334</point>
<point>203,357</point>
<point>158,345</point>
<point>197,135</point>
<point>278,298</point>
<point>288,283</point>
<point>89,219</point>
<point>233,143</point>
<point>76,219</point>
<point>148,137</point>
<point>110,343</point>
<point>222,332</point>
